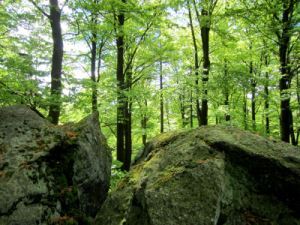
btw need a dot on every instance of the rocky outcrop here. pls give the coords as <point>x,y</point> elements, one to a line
<point>50,174</point>
<point>209,176</point>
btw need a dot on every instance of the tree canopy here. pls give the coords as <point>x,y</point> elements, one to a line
<point>154,66</point>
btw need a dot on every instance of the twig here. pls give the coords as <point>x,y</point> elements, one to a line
<point>40,9</point>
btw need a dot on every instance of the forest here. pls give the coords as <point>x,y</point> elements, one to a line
<point>152,66</point>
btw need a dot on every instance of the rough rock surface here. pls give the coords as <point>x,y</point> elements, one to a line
<point>50,174</point>
<point>209,176</point>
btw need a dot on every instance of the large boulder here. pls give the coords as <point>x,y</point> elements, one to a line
<point>50,174</point>
<point>209,176</point>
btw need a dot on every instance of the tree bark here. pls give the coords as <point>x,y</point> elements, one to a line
<point>267,104</point>
<point>245,110</point>
<point>205,28</point>
<point>298,100</point>
<point>226,91</point>
<point>128,137</point>
<point>93,72</point>
<point>94,46</point>
<point>57,59</point>
<point>205,22</point>
<point>253,95</point>
<point>182,109</point>
<point>127,121</point>
<point>144,121</point>
<point>191,109</point>
<point>286,126</point>
<point>120,87</point>
<point>161,97</point>
<point>196,66</point>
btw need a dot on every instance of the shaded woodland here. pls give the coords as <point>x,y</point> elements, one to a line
<point>154,66</point>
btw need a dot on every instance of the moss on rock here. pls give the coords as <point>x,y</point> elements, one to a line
<point>210,175</point>
<point>51,174</point>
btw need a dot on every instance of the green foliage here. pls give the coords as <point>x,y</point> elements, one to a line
<point>116,174</point>
<point>242,33</point>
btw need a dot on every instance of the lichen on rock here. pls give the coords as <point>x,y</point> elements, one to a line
<point>50,174</point>
<point>210,175</point>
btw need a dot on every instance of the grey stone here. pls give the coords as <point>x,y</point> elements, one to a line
<point>208,176</point>
<point>50,173</point>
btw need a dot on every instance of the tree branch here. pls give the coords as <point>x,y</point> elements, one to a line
<point>141,75</point>
<point>142,38</point>
<point>65,3</point>
<point>39,8</point>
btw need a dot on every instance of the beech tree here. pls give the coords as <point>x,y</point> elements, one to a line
<point>153,66</point>
<point>278,24</point>
<point>284,33</point>
<point>196,63</point>
<point>92,27</point>
<point>54,17</point>
<point>119,29</point>
<point>205,20</point>
<point>128,44</point>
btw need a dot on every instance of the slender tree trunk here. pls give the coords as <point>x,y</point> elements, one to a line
<point>56,66</point>
<point>217,120</point>
<point>191,109</point>
<point>298,92</point>
<point>121,87</point>
<point>204,22</point>
<point>182,110</point>
<point>93,72</point>
<point>205,28</point>
<point>245,110</point>
<point>293,138</point>
<point>226,101</point>
<point>253,95</point>
<point>286,126</point>
<point>161,96</point>
<point>196,66</point>
<point>298,99</point>
<point>128,136</point>
<point>267,104</point>
<point>144,124</point>
<point>127,121</point>
<point>94,46</point>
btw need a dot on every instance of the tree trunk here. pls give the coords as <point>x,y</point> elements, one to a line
<point>182,109</point>
<point>286,126</point>
<point>226,92</point>
<point>205,28</point>
<point>128,136</point>
<point>245,110</point>
<point>161,97</point>
<point>127,121</point>
<point>298,100</point>
<point>94,46</point>
<point>144,124</point>
<point>267,104</point>
<point>196,66</point>
<point>253,93</point>
<point>191,109</point>
<point>93,72</point>
<point>120,87</point>
<point>56,66</point>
